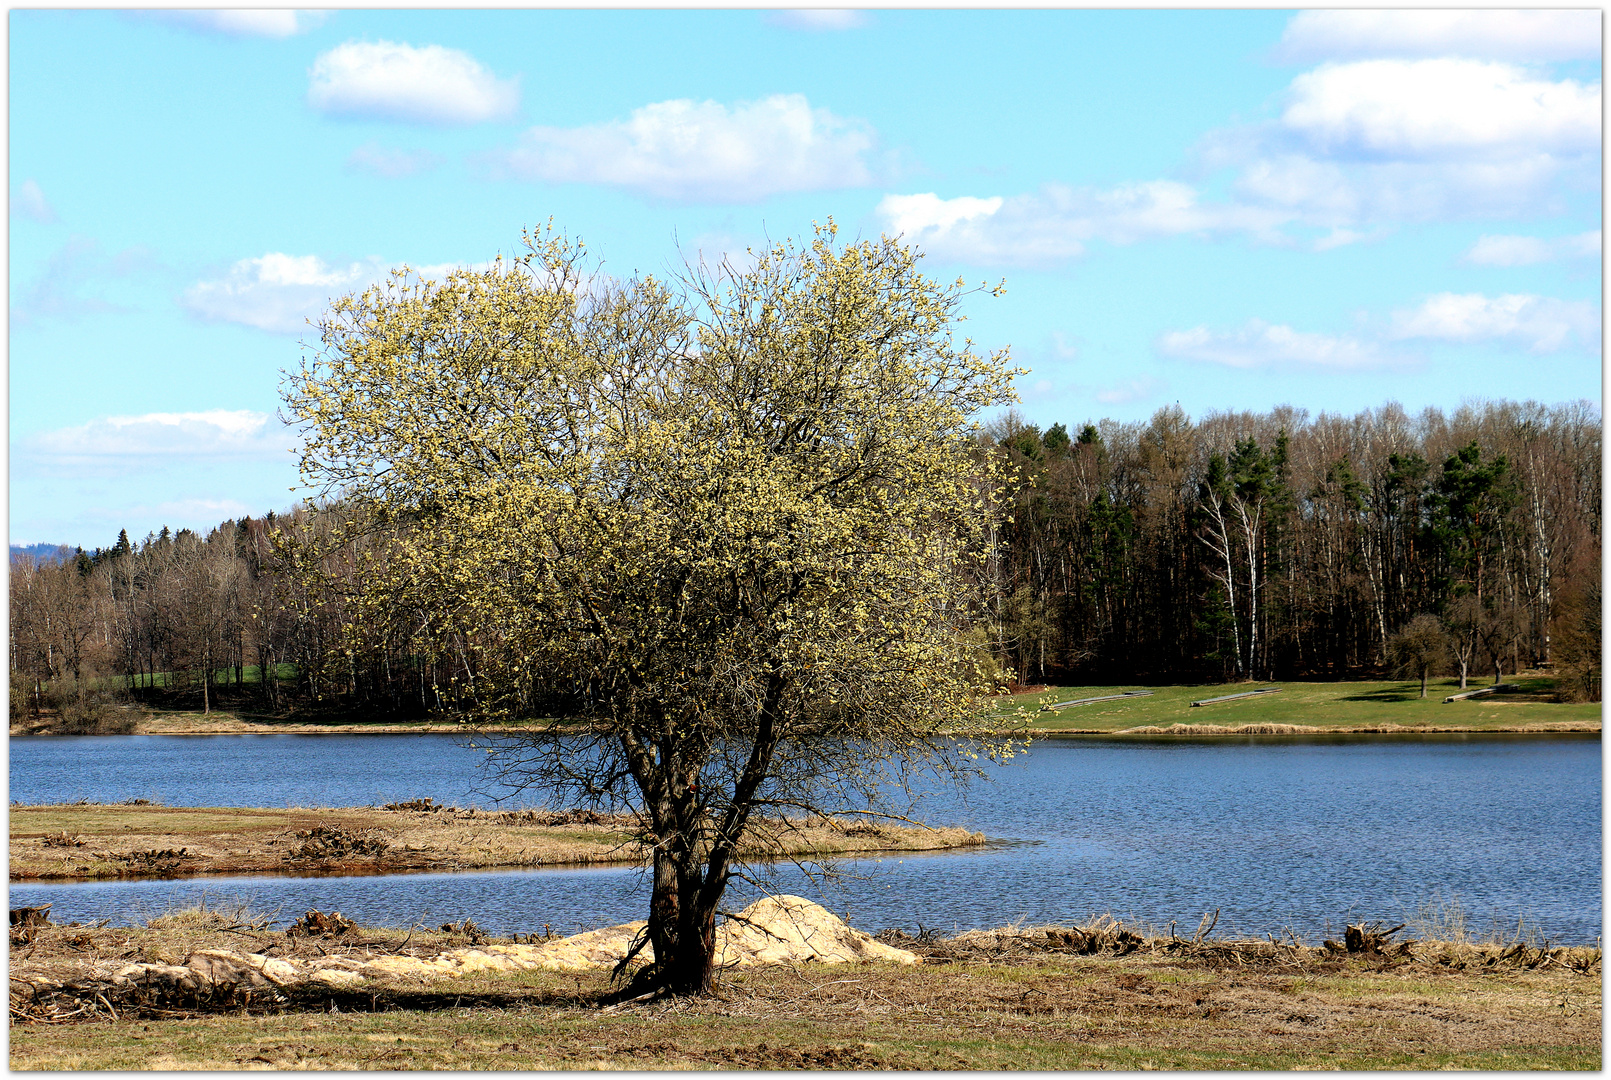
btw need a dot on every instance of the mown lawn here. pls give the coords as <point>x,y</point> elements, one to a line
<point>1328,705</point>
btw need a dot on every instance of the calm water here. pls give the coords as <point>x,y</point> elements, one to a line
<point>1306,834</point>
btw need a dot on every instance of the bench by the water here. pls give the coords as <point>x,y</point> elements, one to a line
<point>1233,697</point>
<point>1497,688</point>
<point>1088,700</point>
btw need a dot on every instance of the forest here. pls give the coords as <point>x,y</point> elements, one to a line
<point>1240,546</point>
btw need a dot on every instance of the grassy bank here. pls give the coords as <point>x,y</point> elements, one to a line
<point>1337,706</point>
<point>1325,706</point>
<point>88,841</point>
<point>148,720</point>
<point>1018,999</point>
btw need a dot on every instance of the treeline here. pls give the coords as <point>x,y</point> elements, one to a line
<point>262,611</point>
<point>1243,545</point>
<point>1279,545</point>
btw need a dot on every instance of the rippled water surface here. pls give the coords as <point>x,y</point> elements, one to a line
<point>1277,833</point>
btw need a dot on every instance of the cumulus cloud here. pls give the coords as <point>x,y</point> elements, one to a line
<point>278,292</point>
<point>1259,344</point>
<point>241,22</point>
<point>688,151</point>
<point>1442,108</point>
<point>1057,222</point>
<point>29,201</point>
<point>391,162</point>
<point>1539,324</point>
<point>1531,250</point>
<point>1381,142</point>
<point>124,443</point>
<point>384,80</point>
<point>1525,35</point>
<point>818,19</point>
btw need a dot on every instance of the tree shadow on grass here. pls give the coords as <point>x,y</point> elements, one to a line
<point>1391,694</point>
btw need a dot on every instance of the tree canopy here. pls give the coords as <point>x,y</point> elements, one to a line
<point>728,528</point>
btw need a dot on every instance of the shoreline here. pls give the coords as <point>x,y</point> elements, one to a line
<point>218,990</point>
<point>134,842</point>
<point>1343,707</point>
<point>1560,727</point>
<point>1545,727</point>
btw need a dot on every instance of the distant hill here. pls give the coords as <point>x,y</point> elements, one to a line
<point>44,552</point>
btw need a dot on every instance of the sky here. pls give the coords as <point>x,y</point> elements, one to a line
<point>1222,209</point>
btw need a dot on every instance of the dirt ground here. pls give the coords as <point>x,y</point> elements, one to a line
<point>1025,998</point>
<point>95,840</point>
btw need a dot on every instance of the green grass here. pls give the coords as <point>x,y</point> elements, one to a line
<point>1330,705</point>
<point>251,673</point>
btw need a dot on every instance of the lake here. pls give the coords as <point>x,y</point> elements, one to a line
<point>1278,833</point>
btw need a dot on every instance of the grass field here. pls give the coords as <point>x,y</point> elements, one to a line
<point>1330,706</point>
<point>984,1000</point>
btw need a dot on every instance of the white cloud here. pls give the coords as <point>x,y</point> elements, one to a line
<point>282,293</point>
<point>1436,109</point>
<point>818,19</point>
<point>916,213</point>
<point>1494,34</point>
<point>1056,223</point>
<point>279,292</point>
<point>241,22</point>
<point>120,443</point>
<point>1358,148</point>
<point>1381,142</point>
<point>1530,250</point>
<point>29,201</point>
<point>1540,324</point>
<point>391,162</point>
<point>386,80</point>
<point>691,151</point>
<point>1259,344</point>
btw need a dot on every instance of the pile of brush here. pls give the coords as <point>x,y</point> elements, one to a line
<point>331,842</point>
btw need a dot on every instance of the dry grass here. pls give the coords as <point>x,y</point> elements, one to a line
<point>1022,998</point>
<point>122,841</point>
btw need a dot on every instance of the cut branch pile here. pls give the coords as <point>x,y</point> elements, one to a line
<point>330,842</point>
<point>317,924</point>
<point>418,805</point>
<point>160,862</point>
<point>1371,939</point>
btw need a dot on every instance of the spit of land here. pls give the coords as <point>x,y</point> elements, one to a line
<point>96,841</point>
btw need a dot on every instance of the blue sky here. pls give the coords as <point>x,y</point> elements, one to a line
<point>1228,209</point>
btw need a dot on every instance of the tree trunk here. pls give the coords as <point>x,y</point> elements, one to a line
<point>681,929</point>
<point>691,970</point>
